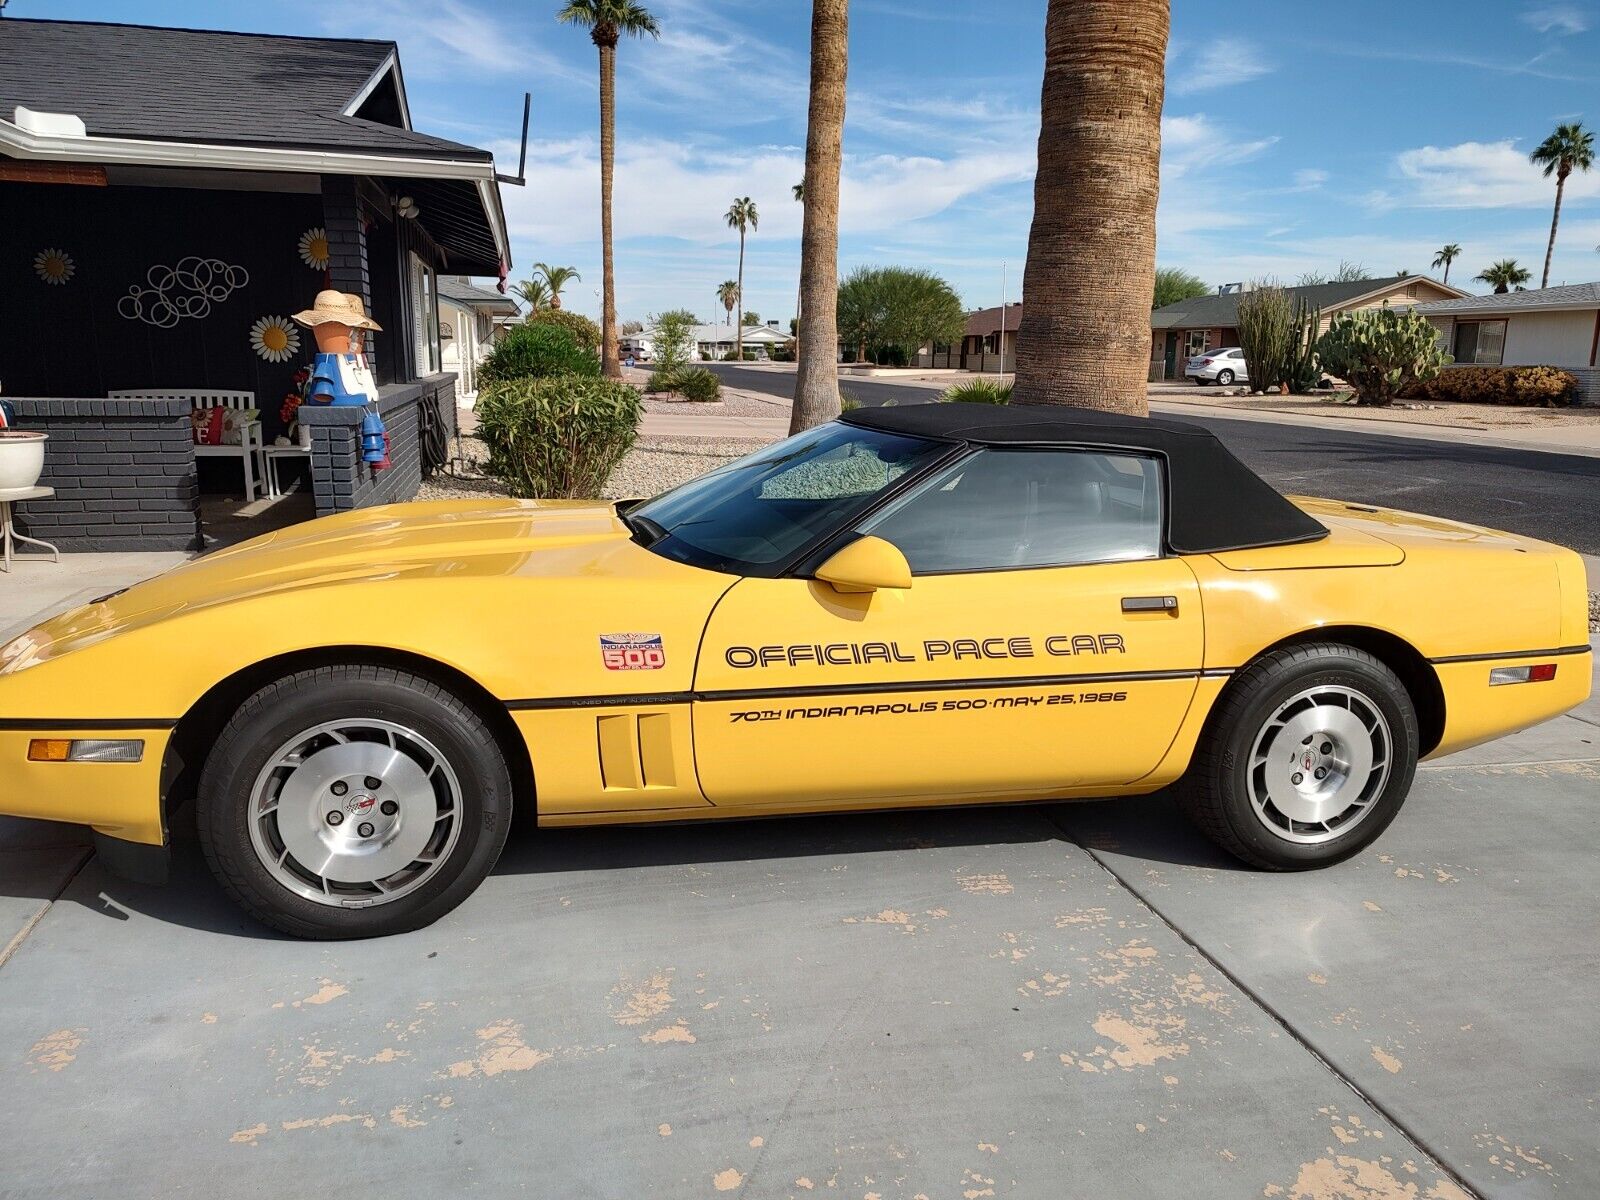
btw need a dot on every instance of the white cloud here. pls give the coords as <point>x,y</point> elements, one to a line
<point>1479,175</point>
<point>1560,18</point>
<point>1310,177</point>
<point>1226,61</point>
<point>440,39</point>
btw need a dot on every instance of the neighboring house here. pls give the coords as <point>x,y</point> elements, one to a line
<point>1555,327</point>
<point>716,342</point>
<point>470,317</point>
<point>1211,322</point>
<point>171,197</point>
<point>981,346</point>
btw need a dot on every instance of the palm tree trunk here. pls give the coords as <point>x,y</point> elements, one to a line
<point>610,362</point>
<point>1555,219</point>
<point>1084,339</point>
<point>1447,270</point>
<point>816,389</point>
<point>738,331</point>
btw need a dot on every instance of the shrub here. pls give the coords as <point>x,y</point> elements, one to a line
<point>674,339</point>
<point>537,351</point>
<point>559,437</point>
<point>692,383</point>
<point>977,391</point>
<point>787,352</point>
<point>1546,387</point>
<point>1379,351</point>
<point>579,326</point>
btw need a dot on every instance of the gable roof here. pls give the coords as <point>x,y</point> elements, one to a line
<point>1214,311</point>
<point>473,296</point>
<point>987,320</point>
<point>202,85</point>
<point>1570,296</point>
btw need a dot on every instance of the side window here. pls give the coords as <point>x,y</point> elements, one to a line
<point>1028,508</point>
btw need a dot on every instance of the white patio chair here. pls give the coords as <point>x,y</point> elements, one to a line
<point>251,444</point>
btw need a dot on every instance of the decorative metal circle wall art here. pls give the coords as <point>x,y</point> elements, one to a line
<point>314,248</point>
<point>185,290</point>
<point>275,339</point>
<point>54,266</point>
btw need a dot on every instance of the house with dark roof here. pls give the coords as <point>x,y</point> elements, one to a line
<point>1546,327</point>
<point>171,198</point>
<point>988,342</point>
<point>1210,322</point>
<point>470,318</point>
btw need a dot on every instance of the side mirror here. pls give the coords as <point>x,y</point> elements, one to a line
<point>866,565</point>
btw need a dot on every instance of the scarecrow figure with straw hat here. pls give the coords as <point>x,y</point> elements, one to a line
<point>339,373</point>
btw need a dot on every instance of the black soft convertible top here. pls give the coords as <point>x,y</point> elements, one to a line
<point>1216,502</point>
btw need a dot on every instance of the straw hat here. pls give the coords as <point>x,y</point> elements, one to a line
<point>342,307</point>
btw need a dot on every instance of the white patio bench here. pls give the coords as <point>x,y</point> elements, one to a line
<point>249,449</point>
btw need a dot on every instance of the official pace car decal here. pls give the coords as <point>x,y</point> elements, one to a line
<point>632,651</point>
<point>844,654</point>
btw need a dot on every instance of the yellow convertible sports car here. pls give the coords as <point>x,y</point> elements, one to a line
<point>934,604</point>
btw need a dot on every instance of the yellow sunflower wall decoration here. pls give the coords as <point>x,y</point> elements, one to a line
<point>275,339</point>
<point>314,248</point>
<point>54,266</point>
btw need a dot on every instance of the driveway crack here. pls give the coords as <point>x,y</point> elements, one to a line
<point>32,922</point>
<point>1283,1023</point>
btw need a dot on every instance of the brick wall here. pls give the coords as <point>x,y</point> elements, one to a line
<point>340,480</point>
<point>123,470</point>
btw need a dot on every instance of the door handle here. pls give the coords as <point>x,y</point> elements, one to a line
<point>1139,604</point>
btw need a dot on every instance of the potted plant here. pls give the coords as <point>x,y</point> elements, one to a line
<point>21,458</point>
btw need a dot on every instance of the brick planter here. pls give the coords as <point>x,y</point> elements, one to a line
<point>123,471</point>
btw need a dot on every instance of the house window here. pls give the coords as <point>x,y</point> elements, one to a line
<point>424,316</point>
<point>1195,341</point>
<point>1480,342</point>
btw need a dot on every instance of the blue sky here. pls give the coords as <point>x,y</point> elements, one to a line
<point>1295,135</point>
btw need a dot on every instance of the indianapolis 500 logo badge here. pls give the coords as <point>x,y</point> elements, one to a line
<point>632,651</point>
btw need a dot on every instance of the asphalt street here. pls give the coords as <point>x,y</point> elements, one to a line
<point>1551,496</point>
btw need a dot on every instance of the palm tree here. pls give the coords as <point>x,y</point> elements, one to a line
<point>535,292</point>
<point>816,387</point>
<point>741,215</point>
<point>728,293</point>
<point>556,278</point>
<point>1505,275</point>
<point>1084,339</point>
<point>799,299</point>
<point>607,21</point>
<point>1570,148</point>
<point>1448,253</point>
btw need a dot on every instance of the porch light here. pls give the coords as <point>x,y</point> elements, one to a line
<point>102,750</point>
<point>405,206</point>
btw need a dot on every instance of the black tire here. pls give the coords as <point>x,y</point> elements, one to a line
<point>284,708</point>
<point>1224,378</point>
<point>1215,792</point>
<point>1198,381</point>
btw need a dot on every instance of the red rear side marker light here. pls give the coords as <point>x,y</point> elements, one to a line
<point>1542,673</point>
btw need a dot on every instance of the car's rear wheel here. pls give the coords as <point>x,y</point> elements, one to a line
<point>1307,758</point>
<point>353,801</point>
<point>1224,377</point>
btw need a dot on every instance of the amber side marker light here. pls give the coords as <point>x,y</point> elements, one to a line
<point>103,750</point>
<point>1543,673</point>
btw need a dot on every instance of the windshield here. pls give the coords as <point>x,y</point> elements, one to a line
<point>754,515</point>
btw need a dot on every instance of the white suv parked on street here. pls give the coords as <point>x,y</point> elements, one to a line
<point>1218,366</point>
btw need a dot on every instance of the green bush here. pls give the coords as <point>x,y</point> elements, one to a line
<point>787,352</point>
<point>579,326</point>
<point>1379,351</point>
<point>977,391</point>
<point>538,351</point>
<point>559,437</point>
<point>1529,387</point>
<point>692,383</point>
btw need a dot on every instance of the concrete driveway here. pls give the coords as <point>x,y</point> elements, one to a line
<point>1035,1001</point>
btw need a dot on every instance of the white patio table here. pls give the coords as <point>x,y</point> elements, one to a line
<point>8,529</point>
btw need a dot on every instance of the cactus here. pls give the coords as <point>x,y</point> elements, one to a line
<point>1379,351</point>
<point>1266,327</point>
<point>1301,370</point>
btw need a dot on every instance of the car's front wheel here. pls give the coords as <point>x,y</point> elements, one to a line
<point>1306,759</point>
<point>353,801</point>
